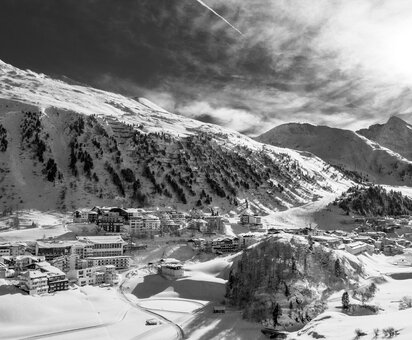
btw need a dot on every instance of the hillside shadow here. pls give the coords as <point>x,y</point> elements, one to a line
<point>222,326</point>
<point>186,288</point>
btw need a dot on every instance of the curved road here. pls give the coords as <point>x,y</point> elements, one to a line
<point>179,330</point>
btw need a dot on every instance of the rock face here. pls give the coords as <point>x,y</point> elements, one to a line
<point>64,146</point>
<point>396,135</point>
<point>344,148</point>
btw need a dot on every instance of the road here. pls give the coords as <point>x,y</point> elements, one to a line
<point>149,334</point>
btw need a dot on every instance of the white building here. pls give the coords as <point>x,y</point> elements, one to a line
<point>356,248</point>
<point>151,223</point>
<point>81,216</point>
<point>94,275</point>
<point>103,246</point>
<point>136,225</point>
<point>105,250</point>
<point>171,268</point>
<point>35,282</point>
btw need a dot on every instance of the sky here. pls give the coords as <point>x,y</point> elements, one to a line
<point>246,65</point>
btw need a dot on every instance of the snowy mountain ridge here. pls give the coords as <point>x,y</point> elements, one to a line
<point>354,151</point>
<point>91,137</point>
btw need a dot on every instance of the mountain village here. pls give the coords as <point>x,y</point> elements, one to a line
<point>121,220</point>
<point>114,233</point>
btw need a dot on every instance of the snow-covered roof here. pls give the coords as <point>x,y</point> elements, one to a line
<point>54,244</point>
<point>102,239</point>
<point>150,217</point>
<point>47,267</point>
<point>34,274</point>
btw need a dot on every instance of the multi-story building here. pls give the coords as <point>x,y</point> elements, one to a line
<point>178,217</point>
<point>104,250</point>
<point>5,249</point>
<point>94,275</point>
<point>34,282</point>
<point>111,222</point>
<point>120,262</point>
<point>12,249</point>
<point>81,216</point>
<point>248,218</point>
<point>226,245</point>
<point>247,239</point>
<point>136,225</point>
<point>151,223</point>
<point>56,279</point>
<point>103,245</point>
<point>53,249</point>
<point>133,212</point>
<point>144,225</point>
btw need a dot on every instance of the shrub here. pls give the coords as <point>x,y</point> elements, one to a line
<point>376,332</point>
<point>405,303</point>
<point>390,332</point>
<point>359,332</point>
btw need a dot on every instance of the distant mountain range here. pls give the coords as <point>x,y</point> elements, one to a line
<point>381,154</point>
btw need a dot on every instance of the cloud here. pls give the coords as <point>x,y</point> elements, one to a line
<point>340,62</point>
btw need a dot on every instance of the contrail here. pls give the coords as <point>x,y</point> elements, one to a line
<point>218,15</point>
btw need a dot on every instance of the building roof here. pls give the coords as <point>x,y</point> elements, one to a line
<point>102,239</point>
<point>34,274</point>
<point>47,267</point>
<point>54,244</point>
<point>151,217</point>
<point>356,245</point>
<point>135,210</point>
<point>171,261</point>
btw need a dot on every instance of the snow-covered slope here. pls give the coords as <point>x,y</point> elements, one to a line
<point>344,148</point>
<point>89,146</point>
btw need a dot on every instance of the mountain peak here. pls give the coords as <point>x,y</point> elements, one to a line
<point>395,120</point>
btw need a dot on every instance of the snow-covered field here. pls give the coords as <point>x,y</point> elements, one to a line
<point>47,224</point>
<point>188,302</point>
<point>333,324</point>
<point>85,313</point>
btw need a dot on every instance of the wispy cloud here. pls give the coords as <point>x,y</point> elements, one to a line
<point>345,63</point>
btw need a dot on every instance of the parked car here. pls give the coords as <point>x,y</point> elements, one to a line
<point>152,322</point>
